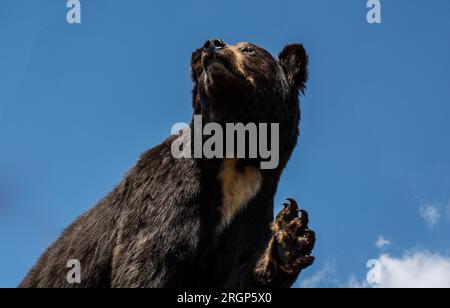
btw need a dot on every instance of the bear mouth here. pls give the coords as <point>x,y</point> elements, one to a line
<point>216,63</point>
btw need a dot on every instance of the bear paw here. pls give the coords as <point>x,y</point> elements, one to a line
<point>294,240</point>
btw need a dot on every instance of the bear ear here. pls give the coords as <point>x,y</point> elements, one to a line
<point>196,64</point>
<point>294,61</point>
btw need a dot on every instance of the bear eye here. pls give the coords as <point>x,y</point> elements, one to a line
<point>248,50</point>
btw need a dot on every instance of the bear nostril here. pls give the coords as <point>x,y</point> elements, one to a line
<point>214,45</point>
<point>218,43</point>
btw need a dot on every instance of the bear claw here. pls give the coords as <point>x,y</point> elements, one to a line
<point>295,241</point>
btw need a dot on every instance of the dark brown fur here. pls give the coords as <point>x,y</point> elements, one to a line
<point>161,226</point>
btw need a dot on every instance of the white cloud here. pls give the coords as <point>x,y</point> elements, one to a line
<point>417,270</point>
<point>325,274</point>
<point>382,242</point>
<point>430,214</point>
<point>354,283</point>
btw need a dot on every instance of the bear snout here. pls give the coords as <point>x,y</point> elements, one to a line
<point>214,45</point>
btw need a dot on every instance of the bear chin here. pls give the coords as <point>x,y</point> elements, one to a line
<point>220,71</point>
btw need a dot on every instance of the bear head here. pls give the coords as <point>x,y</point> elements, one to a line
<point>244,83</point>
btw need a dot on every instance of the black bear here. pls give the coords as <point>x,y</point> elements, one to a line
<point>200,222</point>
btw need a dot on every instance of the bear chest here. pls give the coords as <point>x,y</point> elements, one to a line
<point>239,186</point>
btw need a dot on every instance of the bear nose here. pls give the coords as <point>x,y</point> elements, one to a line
<point>214,45</point>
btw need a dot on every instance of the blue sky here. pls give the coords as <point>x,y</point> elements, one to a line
<point>79,103</point>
